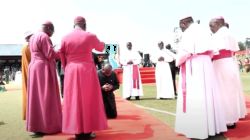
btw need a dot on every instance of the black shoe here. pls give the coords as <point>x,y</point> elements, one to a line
<point>85,136</point>
<point>128,98</point>
<point>78,136</point>
<point>137,97</point>
<point>37,135</point>
<point>232,126</point>
<point>89,136</point>
<point>92,135</point>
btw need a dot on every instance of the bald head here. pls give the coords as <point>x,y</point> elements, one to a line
<point>80,22</point>
<point>107,69</point>
<point>48,28</point>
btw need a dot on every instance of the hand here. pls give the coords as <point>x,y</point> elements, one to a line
<point>105,87</point>
<point>130,62</point>
<point>110,87</point>
<point>161,58</point>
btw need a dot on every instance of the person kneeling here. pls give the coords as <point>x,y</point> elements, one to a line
<point>109,83</point>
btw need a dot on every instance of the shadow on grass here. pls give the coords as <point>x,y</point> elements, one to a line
<point>150,98</point>
<point>2,123</point>
<point>37,135</point>
<point>153,99</point>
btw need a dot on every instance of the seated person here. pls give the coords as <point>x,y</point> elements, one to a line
<point>109,83</point>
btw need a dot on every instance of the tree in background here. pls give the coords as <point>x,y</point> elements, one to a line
<point>242,46</point>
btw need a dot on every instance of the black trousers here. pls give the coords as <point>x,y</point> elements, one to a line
<point>61,83</point>
<point>173,72</point>
<point>109,104</point>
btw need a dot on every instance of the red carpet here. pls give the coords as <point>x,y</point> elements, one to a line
<point>242,130</point>
<point>136,124</point>
<point>132,124</point>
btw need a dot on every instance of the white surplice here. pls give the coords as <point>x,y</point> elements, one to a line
<point>203,116</point>
<point>228,77</point>
<point>163,75</point>
<point>127,79</point>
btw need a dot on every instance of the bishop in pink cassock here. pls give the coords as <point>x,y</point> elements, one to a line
<point>44,113</point>
<point>83,108</point>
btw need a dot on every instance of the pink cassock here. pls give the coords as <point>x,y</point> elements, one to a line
<point>83,109</point>
<point>44,113</point>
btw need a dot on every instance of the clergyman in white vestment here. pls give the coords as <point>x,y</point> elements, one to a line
<point>132,85</point>
<point>227,72</point>
<point>163,75</point>
<point>199,111</point>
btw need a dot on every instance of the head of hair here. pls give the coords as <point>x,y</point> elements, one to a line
<point>27,35</point>
<point>161,44</point>
<point>129,45</point>
<point>48,28</point>
<point>185,23</point>
<point>168,46</point>
<point>216,23</point>
<point>226,24</point>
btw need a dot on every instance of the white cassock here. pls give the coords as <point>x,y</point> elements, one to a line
<point>163,75</point>
<point>228,76</point>
<point>199,112</point>
<point>130,87</point>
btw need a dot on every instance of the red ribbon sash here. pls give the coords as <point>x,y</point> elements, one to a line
<point>183,76</point>
<point>135,77</point>
<point>183,86</point>
<point>223,54</point>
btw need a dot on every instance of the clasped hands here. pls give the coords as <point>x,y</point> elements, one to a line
<point>130,62</point>
<point>161,58</point>
<point>107,87</point>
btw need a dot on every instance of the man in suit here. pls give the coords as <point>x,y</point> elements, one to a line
<point>173,67</point>
<point>109,83</point>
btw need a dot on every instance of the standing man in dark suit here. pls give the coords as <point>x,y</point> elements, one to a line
<point>173,67</point>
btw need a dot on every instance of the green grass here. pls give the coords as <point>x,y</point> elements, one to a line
<point>12,127</point>
<point>245,78</point>
<point>149,100</point>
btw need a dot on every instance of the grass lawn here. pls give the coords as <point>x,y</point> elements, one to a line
<point>12,127</point>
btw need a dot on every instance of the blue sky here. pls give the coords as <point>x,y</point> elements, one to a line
<point>144,22</point>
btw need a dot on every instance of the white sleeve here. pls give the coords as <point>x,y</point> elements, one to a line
<point>123,60</point>
<point>137,58</point>
<point>182,56</point>
<point>154,57</point>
